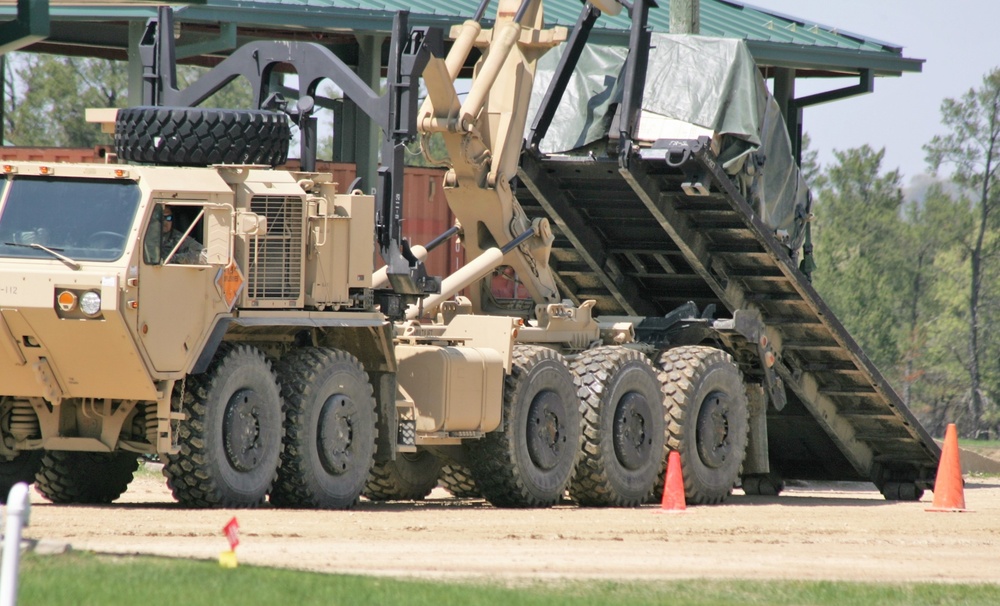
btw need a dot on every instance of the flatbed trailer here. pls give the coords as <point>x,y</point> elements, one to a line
<point>645,229</point>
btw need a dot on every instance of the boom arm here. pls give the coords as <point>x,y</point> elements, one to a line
<point>484,138</point>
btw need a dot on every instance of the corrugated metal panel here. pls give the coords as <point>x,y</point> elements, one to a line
<point>426,216</point>
<point>425,211</point>
<point>55,154</point>
<point>343,173</point>
<point>725,18</point>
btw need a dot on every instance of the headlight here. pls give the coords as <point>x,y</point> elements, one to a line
<point>90,303</point>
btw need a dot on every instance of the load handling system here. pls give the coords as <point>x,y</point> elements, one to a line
<point>666,309</point>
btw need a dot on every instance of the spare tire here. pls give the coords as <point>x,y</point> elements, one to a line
<point>192,136</point>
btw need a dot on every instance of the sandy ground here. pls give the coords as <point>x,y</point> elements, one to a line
<point>814,531</point>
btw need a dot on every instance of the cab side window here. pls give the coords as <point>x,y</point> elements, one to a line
<point>171,236</point>
<point>154,235</point>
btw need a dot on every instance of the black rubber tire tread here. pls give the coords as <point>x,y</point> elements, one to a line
<point>764,485</point>
<point>310,378</point>
<point>194,136</point>
<point>202,474</point>
<point>606,375</point>
<point>500,462</point>
<point>411,477</point>
<point>457,479</point>
<point>20,468</point>
<point>690,375</point>
<point>85,478</point>
<point>901,491</point>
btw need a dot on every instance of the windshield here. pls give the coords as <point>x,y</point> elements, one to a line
<point>82,219</point>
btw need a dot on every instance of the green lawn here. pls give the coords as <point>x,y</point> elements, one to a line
<point>987,445</point>
<point>83,578</point>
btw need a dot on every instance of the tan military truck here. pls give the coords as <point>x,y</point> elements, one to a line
<point>194,303</point>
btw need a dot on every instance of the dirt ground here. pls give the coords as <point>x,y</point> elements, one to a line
<point>812,531</point>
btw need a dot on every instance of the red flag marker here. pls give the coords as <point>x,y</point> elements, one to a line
<point>232,530</point>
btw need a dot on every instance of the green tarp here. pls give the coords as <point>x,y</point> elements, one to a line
<point>695,86</point>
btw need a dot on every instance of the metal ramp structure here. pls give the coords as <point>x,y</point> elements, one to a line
<point>638,236</point>
<point>630,238</point>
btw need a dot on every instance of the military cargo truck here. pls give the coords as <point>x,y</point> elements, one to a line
<point>194,303</point>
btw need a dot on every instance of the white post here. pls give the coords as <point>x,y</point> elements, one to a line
<point>18,512</point>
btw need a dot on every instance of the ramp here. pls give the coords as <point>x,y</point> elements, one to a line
<point>632,238</point>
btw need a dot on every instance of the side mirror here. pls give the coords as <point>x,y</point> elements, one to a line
<point>218,235</point>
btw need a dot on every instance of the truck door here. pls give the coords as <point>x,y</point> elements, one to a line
<point>178,292</point>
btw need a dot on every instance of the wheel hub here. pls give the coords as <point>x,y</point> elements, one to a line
<point>241,430</point>
<point>546,431</point>
<point>714,443</point>
<point>632,441</point>
<point>335,435</point>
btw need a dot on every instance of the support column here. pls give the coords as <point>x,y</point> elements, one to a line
<point>367,137</point>
<point>29,26</point>
<point>685,16</point>
<point>136,29</point>
<point>784,94</point>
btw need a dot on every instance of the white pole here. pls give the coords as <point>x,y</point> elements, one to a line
<point>18,512</point>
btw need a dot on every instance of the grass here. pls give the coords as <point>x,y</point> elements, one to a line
<point>83,578</point>
<point>970,444</point>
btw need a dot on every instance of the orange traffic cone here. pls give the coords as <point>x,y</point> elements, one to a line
<point>949,494</point>
<point>673,485</point>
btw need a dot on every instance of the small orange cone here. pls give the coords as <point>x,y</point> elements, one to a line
<point>949,494</point>
<point>673,485</point>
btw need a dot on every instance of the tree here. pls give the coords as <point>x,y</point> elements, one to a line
<point>972,148</point>
<point>933,229</point>
<point>858,234</point>
<point>47,97</point>
<point>812,170</point>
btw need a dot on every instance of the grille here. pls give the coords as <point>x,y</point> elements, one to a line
<point>274,268</point>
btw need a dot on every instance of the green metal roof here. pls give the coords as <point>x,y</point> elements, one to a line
<point>774,39</point>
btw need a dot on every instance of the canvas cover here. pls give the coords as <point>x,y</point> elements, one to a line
<point>695,86</point>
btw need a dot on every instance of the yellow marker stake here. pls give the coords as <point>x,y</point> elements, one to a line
<point>227,559</point>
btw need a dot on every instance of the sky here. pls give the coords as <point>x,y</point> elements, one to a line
<point>959,41</point>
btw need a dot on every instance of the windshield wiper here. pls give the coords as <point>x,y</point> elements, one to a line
<point>52,251</point>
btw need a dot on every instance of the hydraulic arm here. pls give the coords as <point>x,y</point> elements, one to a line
<point>484,135</point>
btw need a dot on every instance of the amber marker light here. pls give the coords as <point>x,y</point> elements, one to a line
<point>9,168</point>
<point>66,300</point>
<point>45,170</point>
<point>120,173</point>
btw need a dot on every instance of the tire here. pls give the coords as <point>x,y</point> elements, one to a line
<point>708,420</point>
<point>457,479</point>
<point>895,484</point>
<point>230,439</point>
<point>330,430</point>
<point>87,478</point>
<point>623,428</point>
<point>19,468</point>
<point>184,136</point>
<point>528,461</point>
<point>411,477</point>
<point>763,485</point>
<point>901,491</point>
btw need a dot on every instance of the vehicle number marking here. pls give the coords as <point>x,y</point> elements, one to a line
<point>8,290</point>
